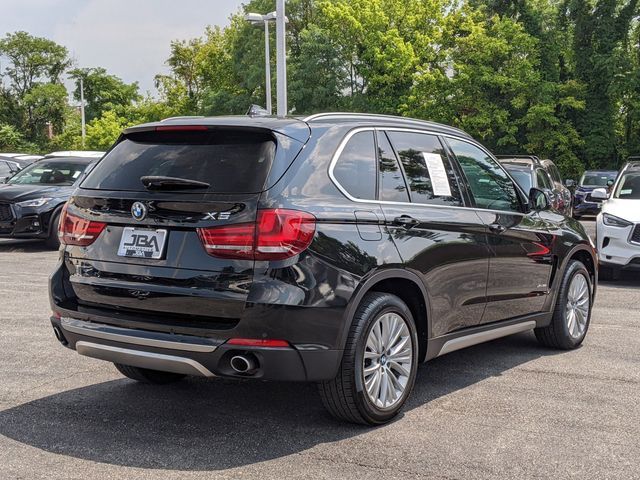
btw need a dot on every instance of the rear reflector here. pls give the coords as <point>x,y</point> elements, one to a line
<point>258,342</point>
<point>74,230</point>
<point>276,235</point>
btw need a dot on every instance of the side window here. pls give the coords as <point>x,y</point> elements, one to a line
<point>490,185</point>
<point>555,173</point>
<point>391,186</point>
<point>543,179</point>
<point>429,175</point>
<point>4,169</point>
<point>355,170</point>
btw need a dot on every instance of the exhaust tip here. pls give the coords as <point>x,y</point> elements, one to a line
<point>59,335</point>
<point>243,363</point>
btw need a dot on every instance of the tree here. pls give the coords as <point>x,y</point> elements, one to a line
<point>600,28</point>
<point>45,103</point>
<point>102,91</point>
<point>10,138</point>
<point>32,60</point>
<point>35,95</point>
<point>104,131</point>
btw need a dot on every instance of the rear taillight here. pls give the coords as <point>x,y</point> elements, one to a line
<point>276,235</point>
<point>74,230</point>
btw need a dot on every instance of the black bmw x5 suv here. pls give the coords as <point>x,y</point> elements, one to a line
<point>341,249</point>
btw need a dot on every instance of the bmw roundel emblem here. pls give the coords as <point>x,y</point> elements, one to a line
<point>138,211</point>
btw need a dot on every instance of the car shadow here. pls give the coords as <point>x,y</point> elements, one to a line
<point>627,279</point>
<point>218,424</point>
<point>24,246</point>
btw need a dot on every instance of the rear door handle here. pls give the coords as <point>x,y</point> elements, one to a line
<point>406,221</point>
<point>497,228</point>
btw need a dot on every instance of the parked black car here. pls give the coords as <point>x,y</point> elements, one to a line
<point>341,249</point>
<point>542,174</point>
<point>32,199</point>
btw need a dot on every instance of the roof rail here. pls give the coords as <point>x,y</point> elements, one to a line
<point>358,115</point>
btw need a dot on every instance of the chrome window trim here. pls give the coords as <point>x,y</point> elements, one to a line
<point>351,133</point>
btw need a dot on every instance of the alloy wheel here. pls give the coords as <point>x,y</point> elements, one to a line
<point>577,308</point>
<point>387,361</point>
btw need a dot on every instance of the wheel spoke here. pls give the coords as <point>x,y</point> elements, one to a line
<point>369,354</point>
<point>399,347</point>
<point>371,369</point>
<point>398,367</point>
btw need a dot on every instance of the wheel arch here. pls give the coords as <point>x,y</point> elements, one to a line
<point>406,285</point>
<point>55,211</point>
<point>585,255</point>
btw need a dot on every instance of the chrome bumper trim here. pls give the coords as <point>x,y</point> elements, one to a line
<point>137,337</point>
<point>136,358</point>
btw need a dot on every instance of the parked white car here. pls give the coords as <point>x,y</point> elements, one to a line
<point>618,224</point>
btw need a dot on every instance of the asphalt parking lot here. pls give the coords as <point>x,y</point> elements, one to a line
<point>506,409</point>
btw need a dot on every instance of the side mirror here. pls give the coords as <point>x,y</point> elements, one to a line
<point>539,200</point>
<point>599,194</point>
<point>610,183</point>
<point>569,183</point>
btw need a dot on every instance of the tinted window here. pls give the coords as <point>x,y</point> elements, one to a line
<point>591,179</point>
<point>355,170</point>
<point>230,161</point>
<point>426,168</point>
<point>521,176</point>
<point>543,179</point>
<point>49,173</point>
<point>391,184</point>
<point>555,173</point>
<point>490,185</point>
<point>628,187</point>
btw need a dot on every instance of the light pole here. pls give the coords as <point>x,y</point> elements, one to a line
<point>257,19</point>
<point>84,133</point>
<point>281,69</point>
<point>281,59</point>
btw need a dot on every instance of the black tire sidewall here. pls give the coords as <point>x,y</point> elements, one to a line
<point>390,303</point>
<point>52,240</point>
<point>575,268</point>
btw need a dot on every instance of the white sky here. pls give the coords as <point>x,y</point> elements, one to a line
<point>130,38</point>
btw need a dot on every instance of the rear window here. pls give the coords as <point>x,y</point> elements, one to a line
<point>229,161</point>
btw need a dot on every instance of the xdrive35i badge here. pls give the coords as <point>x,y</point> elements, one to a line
<point>138,211</point>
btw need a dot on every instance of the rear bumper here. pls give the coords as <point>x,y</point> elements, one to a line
<point>191,355</point>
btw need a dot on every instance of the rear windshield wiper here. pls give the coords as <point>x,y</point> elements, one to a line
<point>171,183</point>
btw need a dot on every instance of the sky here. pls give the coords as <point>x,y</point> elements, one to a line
<point>129,38</point>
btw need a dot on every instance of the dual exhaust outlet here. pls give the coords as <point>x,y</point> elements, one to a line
<point>245,363</point>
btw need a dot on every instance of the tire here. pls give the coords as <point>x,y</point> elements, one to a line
<point>144,375</point>
<point>52,241</point>
<point>346,397</point>
<point>561,333</point>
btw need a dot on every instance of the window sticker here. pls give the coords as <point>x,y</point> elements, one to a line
<point>438,174</point>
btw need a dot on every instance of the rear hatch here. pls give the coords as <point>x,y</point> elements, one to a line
<point>136,231</point>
